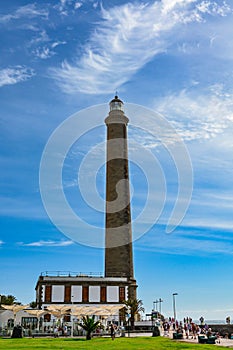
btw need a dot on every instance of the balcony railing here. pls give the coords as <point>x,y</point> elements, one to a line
<point>70,274</point>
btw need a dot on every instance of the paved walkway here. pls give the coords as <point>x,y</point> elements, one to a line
<point>223,342</point>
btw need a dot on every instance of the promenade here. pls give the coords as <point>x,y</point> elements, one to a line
<point>223,341</point>
<point>228,343</point>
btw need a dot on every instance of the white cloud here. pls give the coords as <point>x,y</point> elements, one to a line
<point>17,74</point>
<point>47,244</point>
<point>77,5</point>
<point>47,51</point>
<point>42,37</point>
<point>57,43</point>
<point>27,11</point>
<point>61,7</point>
<point>198,116</point>
<point>65,6</point>
<point>1,243</point>
<point>44,52</point>
<point>116,50</point>
<point>189,242</point>
<point>211,7</point>
<point>20,208</point>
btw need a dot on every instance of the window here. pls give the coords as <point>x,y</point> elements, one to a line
<point>121,293</point>
<point>122,314</point>
<point>66,318</point>
<point>29,322</point>
<point>67,296</point>
<point>48,294</point>
<point>47,318</point>
<point>85,294</point>
<point>103,294</point>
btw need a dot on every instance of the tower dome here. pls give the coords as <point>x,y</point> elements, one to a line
<point>116,104</point>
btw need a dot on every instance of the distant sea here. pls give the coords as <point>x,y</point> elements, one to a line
<point>211,321</point>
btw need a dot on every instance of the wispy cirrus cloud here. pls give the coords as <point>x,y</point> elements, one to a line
<point>21,208</point>
<point>1,243</point>
<point>27,11</point>
<point>126,39</point>
<point>14,75</point>
<point>198,115</point>
<point>48,243</point>
<point>42,46</point>
<point>44,52</point>
<point>187,240</point>
<point>195,115</point>
<point>42,37</point>
<point>64,6</point>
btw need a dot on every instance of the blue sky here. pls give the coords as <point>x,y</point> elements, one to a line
<point>170,56</point>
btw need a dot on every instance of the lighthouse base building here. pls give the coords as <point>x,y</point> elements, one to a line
<point>80,290</point>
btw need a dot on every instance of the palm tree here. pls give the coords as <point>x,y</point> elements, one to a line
<point>8,300</point>
<point>135,307</point>
<point>89,325</point>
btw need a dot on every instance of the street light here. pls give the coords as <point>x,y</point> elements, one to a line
<point>72,317</point>
<point>155,302</point>
<point>128,310</point>
<point>174,305</point>
<point>160,306</point>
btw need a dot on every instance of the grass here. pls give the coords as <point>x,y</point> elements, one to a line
<point>140,343</point>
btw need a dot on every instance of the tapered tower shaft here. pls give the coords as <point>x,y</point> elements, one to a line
<point>118,235</point>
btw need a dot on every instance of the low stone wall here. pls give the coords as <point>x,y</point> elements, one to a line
<point>225,330</point>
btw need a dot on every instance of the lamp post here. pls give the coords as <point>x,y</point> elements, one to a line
<point>174,305</point>
<point>72,317</point>
<point>160,306</point>
<point>128,316</point>
<point>155,302</point>
<point>154,313</point>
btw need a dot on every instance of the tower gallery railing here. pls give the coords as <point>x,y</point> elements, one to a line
<point>70,274</point>
<point>76,274</point>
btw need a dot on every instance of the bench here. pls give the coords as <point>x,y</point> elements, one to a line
<point>202,339</point>
<point>177,335</point>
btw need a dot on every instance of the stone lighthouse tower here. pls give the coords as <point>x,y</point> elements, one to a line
<point>118,234</point>
<point>119,283</point>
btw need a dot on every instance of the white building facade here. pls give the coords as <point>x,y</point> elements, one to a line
<point>80,290</point>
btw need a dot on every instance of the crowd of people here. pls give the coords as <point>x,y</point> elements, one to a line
<point>187,328</point>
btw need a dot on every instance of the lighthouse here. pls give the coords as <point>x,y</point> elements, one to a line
<point>117,284</point>
<point>118,227</point>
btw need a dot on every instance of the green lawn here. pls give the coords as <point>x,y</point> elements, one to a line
<point>140,343</point>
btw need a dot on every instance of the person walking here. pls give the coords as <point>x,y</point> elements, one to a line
<point>112,329</point>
